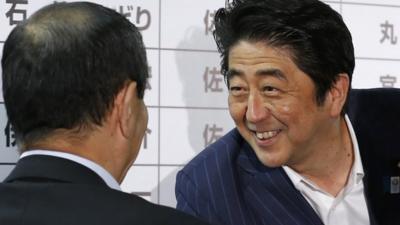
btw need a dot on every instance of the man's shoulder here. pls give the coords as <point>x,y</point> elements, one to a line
<point>375,96</point>
<point>224,151</point>
<point>374,91</point>
<point>90,204</point>
<point>364,104</point>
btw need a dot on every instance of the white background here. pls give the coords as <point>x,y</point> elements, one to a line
<point>181,53</point>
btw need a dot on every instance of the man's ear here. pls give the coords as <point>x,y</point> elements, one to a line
<point>125,108</point>
<point>338,94</point>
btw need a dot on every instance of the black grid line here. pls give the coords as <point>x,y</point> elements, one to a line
<point>7,164</point>
<point>370,4</point>
<point>184,50</point>
<point>344,2</point>
<point>157,165</point>
<point>341,7</point>
<point>189,107</point>
<point>378,59</point>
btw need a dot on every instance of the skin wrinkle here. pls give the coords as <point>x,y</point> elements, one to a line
<point>286,104</point>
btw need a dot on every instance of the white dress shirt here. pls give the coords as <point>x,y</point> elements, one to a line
<point>104,174</point>
<point>349,206</point>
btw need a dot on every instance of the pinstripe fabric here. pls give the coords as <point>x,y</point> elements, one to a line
<point>227,185</point>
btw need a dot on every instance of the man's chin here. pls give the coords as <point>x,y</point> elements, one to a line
<point>272,164</point>
<point>269,160</point>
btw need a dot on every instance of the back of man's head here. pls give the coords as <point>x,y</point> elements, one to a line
<point>63,67</point>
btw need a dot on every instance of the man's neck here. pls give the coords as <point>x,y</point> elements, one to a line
<point>92,148</point>
<point>330,167</point>
<point>98,169</point>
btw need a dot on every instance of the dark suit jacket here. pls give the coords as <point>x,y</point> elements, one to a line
<point>227,184</point>
<point>46,190</point>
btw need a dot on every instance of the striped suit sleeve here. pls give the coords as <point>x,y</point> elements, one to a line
<point>189,200</point>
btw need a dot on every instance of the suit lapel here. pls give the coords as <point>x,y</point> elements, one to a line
<point>41,168</point>
<point>371,168</point>
<point>378,169</point>
<point>271,195</point>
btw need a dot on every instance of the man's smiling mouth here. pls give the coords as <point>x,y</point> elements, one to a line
<point>266,134</point>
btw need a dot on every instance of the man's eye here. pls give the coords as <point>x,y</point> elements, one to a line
<point>270,90</point>
<point>236,90</point>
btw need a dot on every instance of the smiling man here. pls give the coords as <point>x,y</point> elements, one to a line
<point>306,148</point>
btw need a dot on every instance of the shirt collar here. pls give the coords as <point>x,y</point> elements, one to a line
<point>99,170</point>
<point>357,171</point>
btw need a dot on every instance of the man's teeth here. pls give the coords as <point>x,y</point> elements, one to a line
<point>265,135</point>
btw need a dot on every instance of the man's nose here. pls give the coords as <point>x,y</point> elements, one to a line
<point>256,109</point>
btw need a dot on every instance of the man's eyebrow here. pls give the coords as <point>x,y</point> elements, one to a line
<point>233,73</point>
<point>262,73</point>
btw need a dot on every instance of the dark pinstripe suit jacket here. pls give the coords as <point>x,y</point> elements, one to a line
<point>227,184</point>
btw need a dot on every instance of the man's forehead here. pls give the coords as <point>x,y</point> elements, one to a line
<point>257,52</point>
<point>262,72</point>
